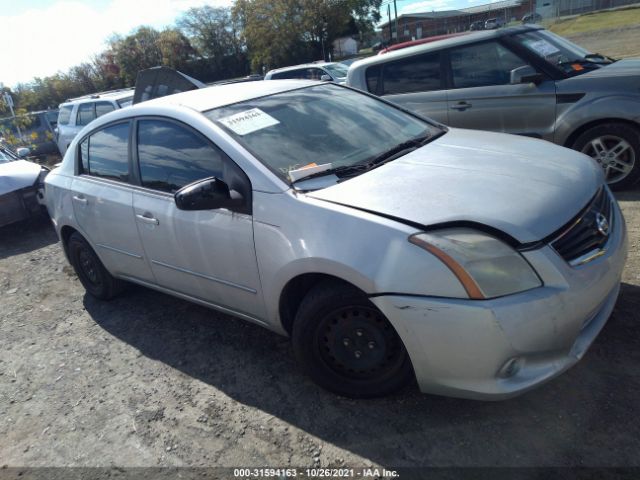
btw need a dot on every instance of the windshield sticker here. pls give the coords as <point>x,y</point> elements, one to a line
<point>249,121</point>
<point>542,47</point>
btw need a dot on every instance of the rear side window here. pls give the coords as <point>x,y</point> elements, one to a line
<point>86,114</point>
<point>65,115</point>
<point>420,73</point>
<point>105,153</point>
<point>171,156</point>
<point>125,102</point>
<point>483,65</point>
<point>103,107</point>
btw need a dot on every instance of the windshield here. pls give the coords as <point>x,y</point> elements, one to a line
<point>557,51</point>
<point>313,126</point>
<point>6,156</point>
<point>337,69</point>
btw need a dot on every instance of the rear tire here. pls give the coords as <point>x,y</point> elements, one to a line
<point>616,148</point>
<point>95,278</point>
<point>346,345</point>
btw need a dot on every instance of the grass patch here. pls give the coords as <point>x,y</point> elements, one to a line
<point>596,21</point>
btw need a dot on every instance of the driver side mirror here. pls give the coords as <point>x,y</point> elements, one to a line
<point>525,74</point>
<point>207,194</point>
<point>326,78</point>
<point>23,152</point>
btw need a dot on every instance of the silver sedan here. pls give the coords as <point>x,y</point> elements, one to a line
<point>388,247</point>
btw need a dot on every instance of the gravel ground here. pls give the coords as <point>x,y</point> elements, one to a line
<point>149,380</point>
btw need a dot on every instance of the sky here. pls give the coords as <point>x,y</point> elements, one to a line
<point>41,37</point>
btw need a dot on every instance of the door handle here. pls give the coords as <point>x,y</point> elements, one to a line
<point>148,219</point>
<point>80,199</point>
<point>461,106</point>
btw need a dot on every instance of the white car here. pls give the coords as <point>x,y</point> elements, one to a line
<point>21,187</point>
<point>387,246</point>
<point>75,113</point>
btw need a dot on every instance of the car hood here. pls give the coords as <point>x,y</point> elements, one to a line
<point>524,187</point>
<point>17,175</point>
<point>621,68</point>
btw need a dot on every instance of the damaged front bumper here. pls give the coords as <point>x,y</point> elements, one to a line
<point>499,348</point>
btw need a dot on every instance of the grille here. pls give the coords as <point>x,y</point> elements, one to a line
<point>585,237</point>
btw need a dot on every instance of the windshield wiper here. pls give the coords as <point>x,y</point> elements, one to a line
<point>386,156</point>
<point>592,56</point>
<point>397,151</point>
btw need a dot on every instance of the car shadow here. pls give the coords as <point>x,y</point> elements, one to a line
<point>628,195</point>
<point>565,422</point>
<point>26,236</point>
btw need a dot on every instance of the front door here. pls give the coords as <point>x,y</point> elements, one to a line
<point>209,254</point>
<point>482,97</point>
<point>103,202</point>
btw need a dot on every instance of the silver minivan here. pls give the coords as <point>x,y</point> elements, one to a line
<point>388,247</point>
<point>75,113</point>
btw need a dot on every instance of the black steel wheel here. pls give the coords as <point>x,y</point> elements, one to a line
<point>92,274</point>
<point>346,345</point>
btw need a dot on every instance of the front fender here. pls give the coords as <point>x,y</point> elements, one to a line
<point>592,109</point>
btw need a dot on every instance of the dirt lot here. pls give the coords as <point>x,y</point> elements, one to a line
<point>148,380</point>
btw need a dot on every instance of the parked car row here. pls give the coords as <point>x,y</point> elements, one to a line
<point>390,248</point>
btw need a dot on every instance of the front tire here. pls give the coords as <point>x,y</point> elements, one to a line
<point>346,345</point>
<point>616,148</point>
<point>95,278</point>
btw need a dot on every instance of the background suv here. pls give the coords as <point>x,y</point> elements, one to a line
<point>75,113</point>
<point>522,80</point>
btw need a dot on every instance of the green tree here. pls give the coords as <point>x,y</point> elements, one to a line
<point>137,51</point>
<point>215,36</point>
<point>284,32</point>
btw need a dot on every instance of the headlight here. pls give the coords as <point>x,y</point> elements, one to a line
<point>485,266</point>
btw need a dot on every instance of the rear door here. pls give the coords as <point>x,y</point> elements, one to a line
<point>102,201</point>
<point>210,254</point>
<point>481,96</point>
<point>415,83</point>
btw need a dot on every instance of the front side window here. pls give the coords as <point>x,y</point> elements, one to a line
<point>65,115</point>
<point>105,153</point>
<point>171,156</point>
<point>420,73</point>
<point>103,107</point>
<point>482,65</point>
<point>318,125</point>
<point>86,114</point>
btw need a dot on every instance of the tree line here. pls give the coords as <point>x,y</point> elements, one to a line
<point>210,43</point>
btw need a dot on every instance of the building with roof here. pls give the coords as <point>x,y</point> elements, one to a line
<point>413,26</point>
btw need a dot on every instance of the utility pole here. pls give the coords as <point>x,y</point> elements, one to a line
<point>8,100</point>
<point>389,17</point>
<point>395,9</point>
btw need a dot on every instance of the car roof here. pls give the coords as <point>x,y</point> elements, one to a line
<point>470,38</point>
<point>215,96</point>
<point>302,65</point>
<point>93,97</point>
